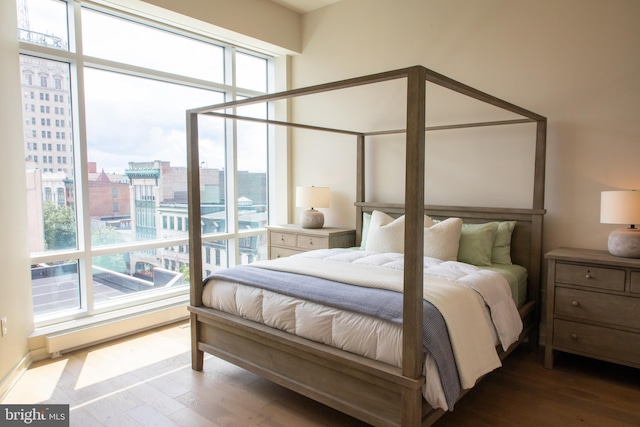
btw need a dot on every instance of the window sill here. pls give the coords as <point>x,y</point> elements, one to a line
<point>51,341</point>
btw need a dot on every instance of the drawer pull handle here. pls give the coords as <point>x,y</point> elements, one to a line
<point>574,336</point>
<point>587,276</point>
<point>575,303</point>
<point>282,238</point>
<point>310,242</point>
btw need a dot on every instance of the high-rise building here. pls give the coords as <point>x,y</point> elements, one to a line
<point>47,122</point>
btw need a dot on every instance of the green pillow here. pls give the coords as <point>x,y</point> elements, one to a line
<point>501,252</point>
<point>476,243</point>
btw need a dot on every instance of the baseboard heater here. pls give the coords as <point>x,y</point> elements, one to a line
<point>80,337</point>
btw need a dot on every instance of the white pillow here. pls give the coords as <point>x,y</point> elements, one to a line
<point>386,234</point>
<point>442,239</point>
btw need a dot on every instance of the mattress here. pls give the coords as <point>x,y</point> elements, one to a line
<point>360,334</point>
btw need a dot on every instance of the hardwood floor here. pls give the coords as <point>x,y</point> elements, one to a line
<point>146,380</point>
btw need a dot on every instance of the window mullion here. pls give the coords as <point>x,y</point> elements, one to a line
<point>81,163</point>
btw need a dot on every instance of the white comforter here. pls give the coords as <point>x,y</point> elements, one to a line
<point>461,292</point>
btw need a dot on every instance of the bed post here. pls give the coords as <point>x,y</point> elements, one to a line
<point>195,237</point>
<point>413,244</point>
<point>360,178</point>
<point>535,269</point>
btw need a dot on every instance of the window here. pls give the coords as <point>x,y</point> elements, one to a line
<point>135,197</point>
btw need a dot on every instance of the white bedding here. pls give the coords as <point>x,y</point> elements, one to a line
<point>476,304</point>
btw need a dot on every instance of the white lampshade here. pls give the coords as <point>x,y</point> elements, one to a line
<point>312,197</point>
<point>622,207</point>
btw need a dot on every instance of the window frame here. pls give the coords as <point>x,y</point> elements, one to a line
<point>84,253</point>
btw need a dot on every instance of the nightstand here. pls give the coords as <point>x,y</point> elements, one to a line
<point>290,239</point>
<point>593,306</point>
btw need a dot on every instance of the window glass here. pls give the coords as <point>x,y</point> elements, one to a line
<point>136,141</point>
<point>215,256</point>
<point>120,40</point>
<point>212,154</point>
<point>252,180</point>
<point>131,274</point>
<point>55,287</point>
<point>43,22</point>
<point>52,217</point>
<point>251,72</point>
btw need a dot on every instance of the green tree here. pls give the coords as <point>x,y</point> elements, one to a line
<point>59,226</point>
<point>185,273</point>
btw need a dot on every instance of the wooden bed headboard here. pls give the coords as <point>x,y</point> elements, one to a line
<point>526,241</point>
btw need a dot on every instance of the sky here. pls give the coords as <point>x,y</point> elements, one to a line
<point>134,119</point>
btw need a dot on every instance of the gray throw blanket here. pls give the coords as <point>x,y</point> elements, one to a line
<point>375,302</point>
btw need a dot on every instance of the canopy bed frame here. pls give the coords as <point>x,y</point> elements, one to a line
<point>374,392</point>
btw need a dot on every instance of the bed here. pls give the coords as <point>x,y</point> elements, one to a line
<point>379,392</point>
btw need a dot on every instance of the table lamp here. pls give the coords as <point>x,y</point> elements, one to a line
<point>312,197</point>
<point>622,207</point>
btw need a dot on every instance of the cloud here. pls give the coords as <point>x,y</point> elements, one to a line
<point>135,119</point>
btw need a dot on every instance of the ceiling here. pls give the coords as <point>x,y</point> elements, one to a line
<point>304,6</point>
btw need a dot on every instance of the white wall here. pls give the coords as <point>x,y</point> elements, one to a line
<point>573,61</point>
<point>256,24</point>
<point>15,286</point>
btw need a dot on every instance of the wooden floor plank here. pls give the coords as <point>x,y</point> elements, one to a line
<point>147,380</point>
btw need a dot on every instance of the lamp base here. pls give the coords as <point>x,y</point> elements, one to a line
<point>625,242</point>
<point>312,219</point>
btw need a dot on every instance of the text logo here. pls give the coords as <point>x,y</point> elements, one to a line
<point>34,415</point>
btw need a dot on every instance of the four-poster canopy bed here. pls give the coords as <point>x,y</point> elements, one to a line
<point>376,392</point>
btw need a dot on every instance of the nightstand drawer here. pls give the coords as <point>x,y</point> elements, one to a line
<point>277,252</point>
<point>598,307</point>
<point>635,282</point>
<point>590,276</point>
<point>596,341</point>
<point>284,239</point>
<point>291,239</point>
<point>313,242</point>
